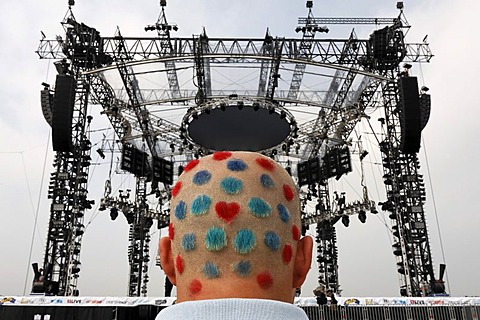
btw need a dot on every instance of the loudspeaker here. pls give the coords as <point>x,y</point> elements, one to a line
<point>308,171</point>
<point>162,170</point>
<point>410,117</point>
<point>63,105</point>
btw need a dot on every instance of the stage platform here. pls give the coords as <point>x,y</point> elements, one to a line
<point>146,308</point>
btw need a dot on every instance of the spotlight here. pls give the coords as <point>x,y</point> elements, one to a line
<point>346,221</point>
<point>423,89</point>
<point>362,216</point>
<point>400,5</point>
<point>113,213</point>
<point>407,66</point>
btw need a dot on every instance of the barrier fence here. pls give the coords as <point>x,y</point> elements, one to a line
<point>131,308</point>
<point>392,312</point>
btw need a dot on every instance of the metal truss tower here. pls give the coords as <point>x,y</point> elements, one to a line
<point>68,184</point>
<point>338,110</point>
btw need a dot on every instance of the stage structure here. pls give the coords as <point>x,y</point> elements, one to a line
<point>173,99</point>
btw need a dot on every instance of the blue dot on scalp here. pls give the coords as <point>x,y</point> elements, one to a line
<point>202,177</point>
<point>188,242</point>
<point>272,240</point>
<point>200,205</point>
<point>266,181</point>
<point>243,268</point>
<point>236,165</point>
<point>259,208</point>
<point>180,210</point>
<point>283,213</point>
<point>216,239</point>
<point>244,241</point>
<point>231,185</point>
<point>210,270</point>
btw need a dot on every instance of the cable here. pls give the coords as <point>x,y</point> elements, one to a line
<point>35,226</point>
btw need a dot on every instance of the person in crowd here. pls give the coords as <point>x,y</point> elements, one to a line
<point>235,249</point>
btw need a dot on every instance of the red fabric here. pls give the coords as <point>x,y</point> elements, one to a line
<point>265,164</point>
<point>179,263</point>
<point>227,211</point>
<point>265,280</point>
<point>192,164</point>
<point>219,156</point>
<point>295,233</point>
<point>287,254</point>
<point>176,188</point>
<point>195,287</point>
<point>288,192</point>
<point>171,231</point>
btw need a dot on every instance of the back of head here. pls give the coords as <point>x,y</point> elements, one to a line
<point>235,230</point>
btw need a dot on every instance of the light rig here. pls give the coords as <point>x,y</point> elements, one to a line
<point>279,111</point>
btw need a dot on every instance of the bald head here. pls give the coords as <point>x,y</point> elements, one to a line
<point>235,230</point>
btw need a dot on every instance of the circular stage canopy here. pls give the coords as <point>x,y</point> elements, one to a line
<point>232,128</point>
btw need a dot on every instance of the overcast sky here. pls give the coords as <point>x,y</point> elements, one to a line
<point>367,265</point>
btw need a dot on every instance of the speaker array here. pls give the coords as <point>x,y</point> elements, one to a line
<point>63,104</point>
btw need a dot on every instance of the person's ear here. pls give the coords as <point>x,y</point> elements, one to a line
<point>166,259</point>
<point>303,260</point>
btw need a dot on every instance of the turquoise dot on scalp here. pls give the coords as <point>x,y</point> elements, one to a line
<point>244,241</point>
<point>216,239</point>
<point>210,270</point>
<point>231,185</point>
<point>200,205</point>
<point>259,208</point>
<point>188,242</point>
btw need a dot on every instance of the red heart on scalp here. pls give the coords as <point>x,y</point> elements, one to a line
<point>227,211</point>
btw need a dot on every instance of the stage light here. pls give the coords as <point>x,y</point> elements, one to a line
<point>346,221</point>
<point>400,5</point>
<point>362,216</point>
<point>256,106</point>
<point>298,29</point>
<point>407,66</point>
<point>113,213</point>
